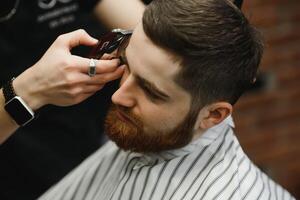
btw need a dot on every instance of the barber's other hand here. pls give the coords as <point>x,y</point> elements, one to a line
<point>61,78</point>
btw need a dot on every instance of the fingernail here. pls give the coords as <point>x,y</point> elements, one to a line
<point>118,61</point>
<point>95,40</point>
<point>122,67</point>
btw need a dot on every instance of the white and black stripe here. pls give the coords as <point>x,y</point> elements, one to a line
<point>211,167</point>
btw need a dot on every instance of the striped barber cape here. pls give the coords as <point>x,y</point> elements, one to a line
<point>212,167</point>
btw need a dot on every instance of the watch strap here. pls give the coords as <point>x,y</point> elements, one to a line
<point>15,106</point>
<point>8,90</point>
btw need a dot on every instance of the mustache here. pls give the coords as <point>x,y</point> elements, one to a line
<point>127,113</point>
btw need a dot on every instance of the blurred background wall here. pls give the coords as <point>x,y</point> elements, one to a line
<point>268,117</point>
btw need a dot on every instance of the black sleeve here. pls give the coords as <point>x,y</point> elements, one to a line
<point>88,5</point>
<point>238,3</point>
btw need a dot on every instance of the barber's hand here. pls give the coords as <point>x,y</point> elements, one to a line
<point>61,78</point>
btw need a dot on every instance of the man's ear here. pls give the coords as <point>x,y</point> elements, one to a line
<point>213,114</point>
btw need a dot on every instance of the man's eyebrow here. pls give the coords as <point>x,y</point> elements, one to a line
<point>150,86</point>
<point>145,83</point>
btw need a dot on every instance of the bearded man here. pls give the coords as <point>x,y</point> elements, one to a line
<point>187,63</point>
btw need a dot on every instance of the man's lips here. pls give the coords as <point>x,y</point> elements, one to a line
<point>124,117</point>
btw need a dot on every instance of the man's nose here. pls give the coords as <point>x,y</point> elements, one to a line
<point>124,96</point>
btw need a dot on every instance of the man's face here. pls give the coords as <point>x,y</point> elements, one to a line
<point>151,112</point>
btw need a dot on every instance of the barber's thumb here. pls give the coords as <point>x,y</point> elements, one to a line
<point>81,37</point>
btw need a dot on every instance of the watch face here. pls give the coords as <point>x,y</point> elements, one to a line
<point>19,111</point>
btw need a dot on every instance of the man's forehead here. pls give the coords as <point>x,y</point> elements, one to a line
<point>149,60</point>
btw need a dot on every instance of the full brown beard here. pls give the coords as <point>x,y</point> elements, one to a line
<point>131,136</point>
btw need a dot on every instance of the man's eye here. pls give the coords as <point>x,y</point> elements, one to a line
<point>152,96</point>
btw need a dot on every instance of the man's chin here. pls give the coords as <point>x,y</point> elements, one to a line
<point>131,137</point>
<point>141,143</point>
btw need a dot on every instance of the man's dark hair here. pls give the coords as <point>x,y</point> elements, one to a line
<point>218,49</point>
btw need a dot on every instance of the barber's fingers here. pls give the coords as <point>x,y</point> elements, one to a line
<point>81,97</point>
<point>76,38</point>
<point>92,88</point>
<point>107,56</point>
<point>106,77</point>
<point>102,66</point>
<point>98,79</point>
